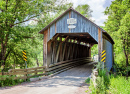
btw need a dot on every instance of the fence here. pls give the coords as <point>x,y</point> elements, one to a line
<point>41,71</point>
<point>23,73</point>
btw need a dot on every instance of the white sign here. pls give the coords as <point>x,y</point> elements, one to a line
<point>71,21</point>
<point>71,26</point>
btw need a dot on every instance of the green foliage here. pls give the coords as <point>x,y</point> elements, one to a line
<point>92,88</point>
<point>105,77</point>
<point>118,26</point>
<point>84,10</point>
<point>87,80</point>
<point>119,85</point>
<point>16,34</point>
<point>102,81</point>
<point>9,81</point>
<point>94,50</point>
<point>107,84</point>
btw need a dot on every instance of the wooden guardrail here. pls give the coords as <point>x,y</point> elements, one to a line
<point>23,73</point>
<point>41,71</point>
<point>65,65</point>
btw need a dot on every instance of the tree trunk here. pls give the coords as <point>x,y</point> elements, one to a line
<point>127,68</point>
<point>37,62</point>
<point>14,62</point>
<point>2,54</point>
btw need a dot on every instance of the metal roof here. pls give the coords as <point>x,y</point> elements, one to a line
<point>45,28</point>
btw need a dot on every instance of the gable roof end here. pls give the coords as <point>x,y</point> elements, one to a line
<point>42,31</point>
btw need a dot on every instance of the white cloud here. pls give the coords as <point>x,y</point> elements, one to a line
<point>98,7</point>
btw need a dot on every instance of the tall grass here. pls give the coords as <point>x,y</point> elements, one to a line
<point>109,84</point>
<point>9,81</point>
<point>119,85</point>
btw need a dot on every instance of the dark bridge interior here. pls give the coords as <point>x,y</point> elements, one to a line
<point>68,46</point>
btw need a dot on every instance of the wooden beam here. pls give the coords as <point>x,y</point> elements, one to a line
<point>76,50</point>
<point>48,53</point>
<point>69,17</point>
<point>58,51</point>
<point>55,37</point>
<point>65,39</point>
<point>45,48</point>
<point>99,44</point>
<point>60,54</point>
<point>73,50</point>
<point>68,52</point>
<point>89,52</point>
<point>64,52</point>
<point>55,27</point>
<point>53,51</point>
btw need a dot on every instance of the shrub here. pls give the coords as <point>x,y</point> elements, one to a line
<point>87,80</point>
<point>9,81</point>
<point>102,81</point>
<point>119,85</point>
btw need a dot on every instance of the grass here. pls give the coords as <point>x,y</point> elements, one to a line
<point>119,85</point>
<point>115,85</point>
<point>87,81</point>
<point>10,81</point>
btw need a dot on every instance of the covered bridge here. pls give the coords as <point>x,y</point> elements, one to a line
<point>71,36</point>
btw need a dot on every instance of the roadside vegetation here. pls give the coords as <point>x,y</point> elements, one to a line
<point>10,81</point>
<point>109,83</point>
<point>117,25</point>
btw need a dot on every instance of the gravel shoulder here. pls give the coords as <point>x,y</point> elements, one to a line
<point>68,82</point>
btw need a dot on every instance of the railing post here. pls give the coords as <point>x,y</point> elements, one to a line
<point>25,74</point>
<point>36,71</point>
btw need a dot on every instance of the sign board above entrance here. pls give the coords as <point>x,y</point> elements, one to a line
<point>71,21</point>
<point>71,26</point>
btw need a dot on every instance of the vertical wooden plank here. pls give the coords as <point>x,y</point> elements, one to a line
<point>58,51</point>
<point>48,53</point>
<point>73,51</point>
<point>64,52</point>
<point>99,44</point>
<point>60,54</point>
<point>53,51</point>
<point>68,54</point>
<point>35,71</point>
<point>89,51</point>
<point>55,27</point>
<point>69,17</point>
<point>113,57</point>
<point>76,50</point>
<point>45,48</point>
<point>25,75</point>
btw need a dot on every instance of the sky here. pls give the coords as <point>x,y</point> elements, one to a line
<point>97,6</point>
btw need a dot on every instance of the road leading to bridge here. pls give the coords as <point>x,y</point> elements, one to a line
<point>66,82</point>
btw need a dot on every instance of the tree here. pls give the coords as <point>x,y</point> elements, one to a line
<point>84,10</point>
<point>118,26</point>
<point>13,15</point>
<point>124,31</point>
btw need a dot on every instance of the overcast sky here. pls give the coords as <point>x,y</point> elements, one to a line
<point>97,6</point>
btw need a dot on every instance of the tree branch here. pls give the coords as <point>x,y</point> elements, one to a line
<point>1,9</point>
<point>7,55</point>
<point>28,37</point>
<point>24,20</point>
<point>6,4</point>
